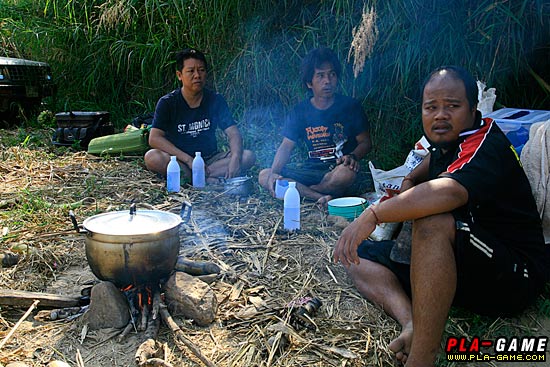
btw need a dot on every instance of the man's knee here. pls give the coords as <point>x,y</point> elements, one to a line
<point>343,174</point>
<point>263,176</point>
<point>155,160</point>
<point>150,158</point>
<point>338,180</point>
<point>248,159</point>
<point>438,225</point>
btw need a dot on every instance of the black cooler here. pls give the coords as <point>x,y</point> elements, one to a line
<point>79,127</point>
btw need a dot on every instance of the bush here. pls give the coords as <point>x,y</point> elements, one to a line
<point>117,55</point>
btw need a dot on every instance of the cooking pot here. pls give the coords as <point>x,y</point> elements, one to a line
<point>132,247</point>
<point>238,186</point>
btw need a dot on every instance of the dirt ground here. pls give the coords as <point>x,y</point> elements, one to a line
<point>263,270</point>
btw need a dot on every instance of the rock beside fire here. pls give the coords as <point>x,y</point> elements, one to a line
<point>58,364</point>
<point>191,298</point>
<point>108,307</point>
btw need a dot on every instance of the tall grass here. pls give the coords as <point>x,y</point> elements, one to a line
<point>116,55</point>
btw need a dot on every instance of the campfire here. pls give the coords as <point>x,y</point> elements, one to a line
<point>144,304</point>
<point>142,307</point>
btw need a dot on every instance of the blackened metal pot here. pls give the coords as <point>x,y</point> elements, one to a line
<point>132,247</point>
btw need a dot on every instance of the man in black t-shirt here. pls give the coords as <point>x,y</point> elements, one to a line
<point>334,128</point>
<point>477,236</point>
<point>186,120</point>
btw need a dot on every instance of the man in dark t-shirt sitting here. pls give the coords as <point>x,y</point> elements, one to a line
<point>334,128</point>
<point>186,120</point>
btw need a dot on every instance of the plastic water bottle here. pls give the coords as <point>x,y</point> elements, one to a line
<point>292,207</point>
<point>199,176</point>
<point>173,175</point>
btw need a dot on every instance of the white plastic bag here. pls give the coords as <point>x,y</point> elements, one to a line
<point>417,155</point>
<point>388,184</point>
<point>383,231</point>
<point>535,158</point>
<point>486,98</point>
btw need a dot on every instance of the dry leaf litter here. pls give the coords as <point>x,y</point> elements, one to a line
<point>264,269</point>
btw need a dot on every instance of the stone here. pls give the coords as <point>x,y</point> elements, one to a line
<point>108,308</point>
<point>401,250</point>
<point>337,221</point>
<point>58,364</point>
<point>187,296</point>
<point>17,364</point>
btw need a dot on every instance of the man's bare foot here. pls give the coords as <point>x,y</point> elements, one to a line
<point>214,180</point>
<point>323,201</point>
<point>401,345</point>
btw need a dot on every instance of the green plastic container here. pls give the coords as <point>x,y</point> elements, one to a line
<point>130,142</point>
<point>347,207</point>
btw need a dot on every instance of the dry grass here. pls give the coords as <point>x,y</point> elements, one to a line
<point>365,36</point>
<point>264,269</point>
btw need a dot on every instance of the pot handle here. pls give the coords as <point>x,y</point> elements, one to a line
<point>76,226</point>
<point>185,212</point>
<point>133,209</point>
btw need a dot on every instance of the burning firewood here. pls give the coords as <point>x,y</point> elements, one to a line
<point>153,321</point>
<point>120,338</point>
<point>144,317</point>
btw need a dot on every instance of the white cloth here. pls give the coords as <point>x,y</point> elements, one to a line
<point>535,158</point>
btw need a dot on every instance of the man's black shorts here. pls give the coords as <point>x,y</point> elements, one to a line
<point>308,173</point>
<point>492,279</point>
<point>312,173</point>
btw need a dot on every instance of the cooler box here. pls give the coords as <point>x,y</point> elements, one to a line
<point>80,127</point>
<point>81,118</point>
<point>516,122</point>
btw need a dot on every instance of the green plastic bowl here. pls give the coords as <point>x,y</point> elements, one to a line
<point>347,207</point>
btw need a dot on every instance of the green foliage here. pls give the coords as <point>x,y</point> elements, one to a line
<point>46,118</point>
<point>26,137</point>
<point>543,303</point>
<point>116,55</point>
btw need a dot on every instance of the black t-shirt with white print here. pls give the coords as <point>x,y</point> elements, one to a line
<point>193,129</point>
<point>326,132</point>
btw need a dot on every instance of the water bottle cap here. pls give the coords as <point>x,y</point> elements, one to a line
<point>172,157</point>
<point>198,154</point>
<point>292,184</point>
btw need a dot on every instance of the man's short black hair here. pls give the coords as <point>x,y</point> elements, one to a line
<point>189,53</point>
<point>314,59</point>
<point>470,84</point>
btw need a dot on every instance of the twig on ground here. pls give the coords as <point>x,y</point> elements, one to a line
<point>268,247</point>
<point>178,333</point>
<point>12,331</point>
